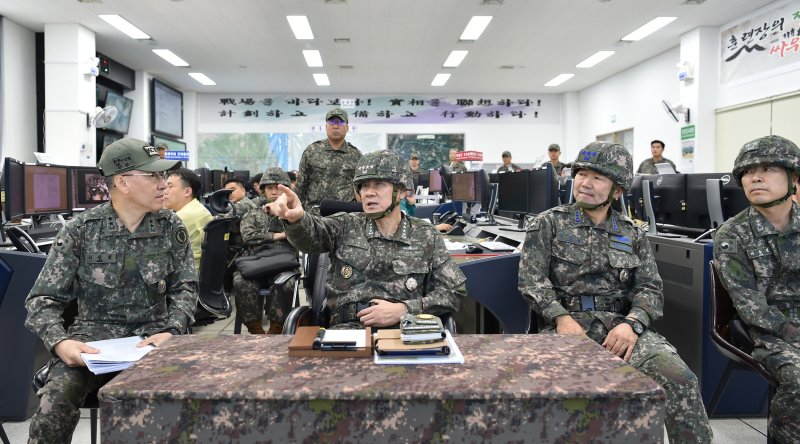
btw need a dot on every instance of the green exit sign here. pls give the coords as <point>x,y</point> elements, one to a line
<point>687,132</point>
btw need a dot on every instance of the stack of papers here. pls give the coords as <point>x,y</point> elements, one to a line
<point>455,356</point>
<point>454,246</point>
<point>496,246</point>
<point>115,354</point>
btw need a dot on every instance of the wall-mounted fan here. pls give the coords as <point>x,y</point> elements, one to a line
<point>102,117</point>
<point>673,111</point>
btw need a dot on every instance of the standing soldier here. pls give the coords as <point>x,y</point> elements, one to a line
<point>456,166</point>
<point>554,152</point>
<point>587,269</point>
<point>757,260</point>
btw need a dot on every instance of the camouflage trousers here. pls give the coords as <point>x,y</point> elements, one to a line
<point>784,411</point>
<point>60,401</point>
<point>686,420</point>
<point>251,306</point>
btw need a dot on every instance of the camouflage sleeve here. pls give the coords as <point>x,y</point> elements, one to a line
<point>738,276</point>
<point>182,285</point>
<point>647,292</point>
<point>444,286</point>
<point>302,180</point>
<point>534,270</point>
<point>52,291</point>
<point>254,228</point>
<point>315,234</point>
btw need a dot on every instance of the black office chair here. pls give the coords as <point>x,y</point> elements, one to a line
<point>499,294</point>
<point>730,336</point>
<point>214,259</point>
<point>21,240</point>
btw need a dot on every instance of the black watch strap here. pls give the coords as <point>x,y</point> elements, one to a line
<point>173,330</point>
<point>637,326</point>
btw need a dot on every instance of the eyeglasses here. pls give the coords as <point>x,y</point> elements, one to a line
<point>335,121</point>
<point>156,176</point>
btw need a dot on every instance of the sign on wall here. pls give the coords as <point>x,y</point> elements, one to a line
<point>767,42</point>
<point>371,109</point>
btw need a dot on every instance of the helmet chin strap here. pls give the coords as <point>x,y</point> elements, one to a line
<point>792,190</point>
<point>381,214</point>
<point>590,207</point>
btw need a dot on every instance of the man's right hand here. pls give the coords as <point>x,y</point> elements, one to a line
<point>567,325</point>
<point>286,206</point>
<point>70,351</point>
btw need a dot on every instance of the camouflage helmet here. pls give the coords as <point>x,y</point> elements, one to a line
<point>383,165</point>
<point>609,159</point>
<point>769,150</point>
<point>274,176</point>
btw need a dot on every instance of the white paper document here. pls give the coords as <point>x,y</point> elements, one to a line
<point>115,354</point>
<point>455,356</point>
<point>496,246</point>
<point>359,337</point>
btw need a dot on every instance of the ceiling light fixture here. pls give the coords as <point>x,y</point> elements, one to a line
<point>477,24</point>
<point>594,59</point>
<point>170,57</point>
<point>313,58</point>
<point>455,58</point>
<point>202,78</point>
<point>440,79</point>
<point>559,79</point>
<point>322,79</point>
<point>300,27</point>
<point>124,26</point>
<point>649,28</point>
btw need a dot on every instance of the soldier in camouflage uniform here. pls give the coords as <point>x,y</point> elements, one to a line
<point>756,257</point>
<point>456,166</point>
<point>260,231</point>
<point>554,152</point>
<point>587,269</point>
<point>327,166</point>
<point>648,166</point>
<point>129,265</point>
<point>383,263</point>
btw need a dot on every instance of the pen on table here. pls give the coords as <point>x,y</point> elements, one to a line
<point>318,340</point>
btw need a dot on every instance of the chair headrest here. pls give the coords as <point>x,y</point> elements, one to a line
<point>220,201</point>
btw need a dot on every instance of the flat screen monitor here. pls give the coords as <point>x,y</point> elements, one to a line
<point>218,179</point>
<point>13,187</point>
<point>543,189</point>
<point>244,175</point>
<point>45,189</point>
<point>734,200</point>
<point>167,110</point>
<point>434,181</point>
<point>669,199</point>
<point>87,189</point>
<point>564,190</point>
<point>124,107</point>
<point>421,178</point>
<point>513,190</point>
<point>464,187</point>
<point>206,180</point>
<point>494,177</point>
<point>636,198</point>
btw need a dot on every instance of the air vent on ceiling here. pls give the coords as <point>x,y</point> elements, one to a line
<point>693,2</point>
<point>341,40</point>
<point>335,2</point>
<point>90,1</point>
<point>345,66</point>
<point>508,67</point>
<point>492,2</point>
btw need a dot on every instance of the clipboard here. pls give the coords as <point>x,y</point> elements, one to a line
<point>302,345</point>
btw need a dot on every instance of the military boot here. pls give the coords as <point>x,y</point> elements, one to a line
<point>255,327</point>
<point>275,328</point>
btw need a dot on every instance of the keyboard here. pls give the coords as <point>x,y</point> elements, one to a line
<point>496,246</point>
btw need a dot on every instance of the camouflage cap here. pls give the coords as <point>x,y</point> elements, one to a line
<point>769,150</point>
<point>609,159</point>
<point>161,146</point>
<point>383,165</point>
<point>132,154</point>
<point>553,147</point>
<point>506,154</point>
<point>274,176</point>
<point>337,112</point>
<point>414,156</point>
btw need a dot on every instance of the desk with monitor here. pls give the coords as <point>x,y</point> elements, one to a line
<point>510,388</point>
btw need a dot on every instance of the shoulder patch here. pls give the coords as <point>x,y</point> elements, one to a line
<point>180,235</point>
<point>63,243</point>
<point>535,225</point>
<point>726,245</point>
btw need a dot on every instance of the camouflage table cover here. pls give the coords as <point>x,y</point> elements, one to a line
<point>523,388</point>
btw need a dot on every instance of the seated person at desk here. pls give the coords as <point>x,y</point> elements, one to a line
<point>757,260</point>
<point>587,269</point>
<point>384,264</point>
<point>128,263</point>
<point>409,207</point>
<point>183,188</point>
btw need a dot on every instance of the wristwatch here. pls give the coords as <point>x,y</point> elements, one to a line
<point>637,326</point>
<point>173,330</point>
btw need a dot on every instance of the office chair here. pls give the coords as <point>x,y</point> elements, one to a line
<point>499,294</point>
<point>729,335</point>
<point>21,240</point>
<point>214,258</point>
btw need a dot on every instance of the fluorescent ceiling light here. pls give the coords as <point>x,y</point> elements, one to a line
<point>440,79</point>
<point>300,27</point>
<point>313,58</point>
<point>170,56</point>
<point>475,27</point>
<point>455,58</point>
<point>594,59</point>
<point>202,78</point>
<point>648,28</point>
<point>559,79</point>
<point>124,26</point>
<point>322,79</point>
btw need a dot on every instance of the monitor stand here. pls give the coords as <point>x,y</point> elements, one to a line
<point>520,225</point>
<point>45,226</point>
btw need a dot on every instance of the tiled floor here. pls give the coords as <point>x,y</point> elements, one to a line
<point>726,431</point>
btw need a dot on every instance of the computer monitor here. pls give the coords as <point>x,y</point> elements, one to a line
<point>244,175</point>
<point>543,192</point>
<point>669,199</point>
<point>565,190</point>
<point>434,181</point>
<point>13,186</point>
<point>421,178</point>
<point>494,177</point>
<point>513,191</point>
<point>466,187</point>
<point>636,198</point>
<point>45,189</point>
<point>206,180</point>
<point>734,201</point>
<point>124,108</point>
<point>218,179</point>
<point>87,188</point>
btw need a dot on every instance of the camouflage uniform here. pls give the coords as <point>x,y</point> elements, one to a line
<point>511,168</point>
<point>760,268</point>
<point>410,266</point>
<point>558,166</point>
<point>327,173</point>
<point>457,166</point>
<point>649,167</point>
<point>126,284</point>
<point>569,264</point>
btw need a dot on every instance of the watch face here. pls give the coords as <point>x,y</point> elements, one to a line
<point>637,327</point>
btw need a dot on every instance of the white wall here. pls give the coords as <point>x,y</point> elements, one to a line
<point>18,91</point>
<point>633,97</point>
<point>140,116</point>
